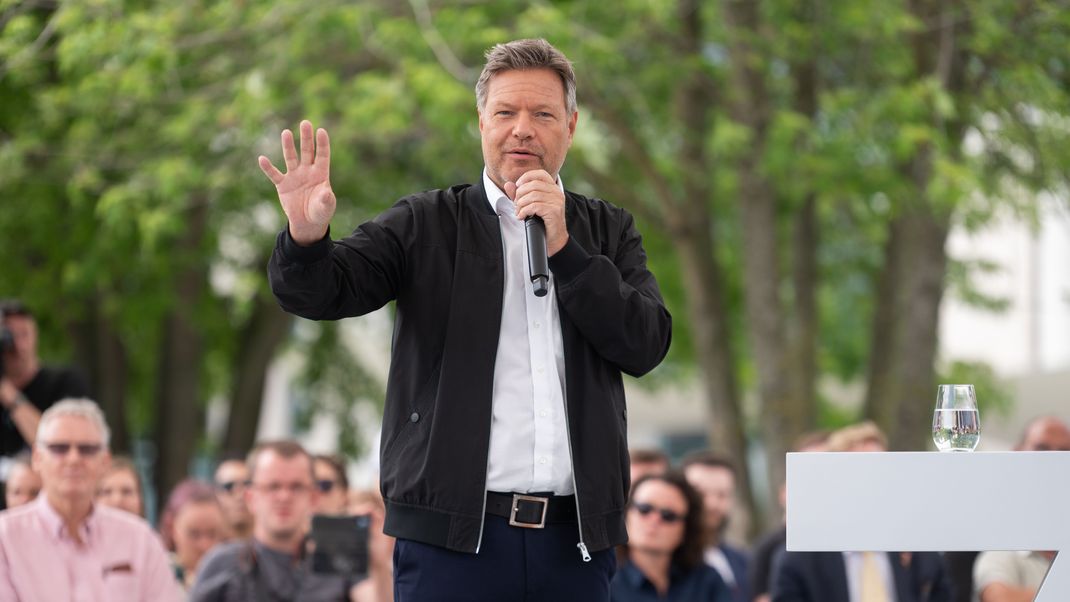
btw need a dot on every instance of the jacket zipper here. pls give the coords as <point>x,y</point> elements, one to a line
<point>576,490</point>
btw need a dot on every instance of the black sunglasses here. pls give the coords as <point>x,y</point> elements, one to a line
<point>325,485</point>
<point>666,515</point>
<point>230,486</point>
<point>86,450</point>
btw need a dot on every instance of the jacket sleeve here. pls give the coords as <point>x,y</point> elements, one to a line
<point>615,302</point>
<point>789,584</point>
<point>338,279</point>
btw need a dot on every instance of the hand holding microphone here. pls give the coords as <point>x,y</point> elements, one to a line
<point>541,204</point>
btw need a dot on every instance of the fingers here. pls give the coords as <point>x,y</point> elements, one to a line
<point>323,148</point>
<point>535,175</point>
<point>510,190</point>
<point>306,142</point>
<point>289,153</point>
<point>270,170</point>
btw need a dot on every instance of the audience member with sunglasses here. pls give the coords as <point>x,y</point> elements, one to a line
<point>231,480</point>
<point>332,483</point>
<point>663,557</point>
<point>64,545</point>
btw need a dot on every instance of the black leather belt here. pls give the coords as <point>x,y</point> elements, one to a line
<point>531,511</point>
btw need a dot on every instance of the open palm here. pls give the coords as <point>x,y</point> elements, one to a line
<point>305,189</point>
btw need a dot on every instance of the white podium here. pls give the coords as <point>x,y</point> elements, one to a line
<point>931,501</point>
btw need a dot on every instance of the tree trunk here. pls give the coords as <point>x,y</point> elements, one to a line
<point>692,232</point>
<point>266,328</point>
<point>901,391</point>
<point>782,416</point>
<point>179,408</point>
<point>102,354</point>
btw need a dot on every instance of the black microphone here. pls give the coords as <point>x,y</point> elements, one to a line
<point>538,262</point>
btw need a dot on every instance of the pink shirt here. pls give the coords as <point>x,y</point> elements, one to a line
<point>121,559</point>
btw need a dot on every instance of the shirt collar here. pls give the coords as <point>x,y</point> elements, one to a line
<point>494,194</point>
<point>56,526</point>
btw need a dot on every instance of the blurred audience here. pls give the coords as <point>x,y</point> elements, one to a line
<point>857,576</point>
<point>274,564</point>
<point>120,487</point>
<point>63,545</point>
<point>191,524</point>
<point>27,387</point>
<point>231,481</point>
<point>646,461</point>
<point>332,483</point>
<point>714,478</point>
<point>771,546</point>
<point>1009,576</point>
<point>23,482</point>
<point>663,559</point>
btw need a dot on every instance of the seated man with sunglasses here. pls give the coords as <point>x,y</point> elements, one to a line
<point>663,557</point>
<point>64,546</point>
<point>231,480</point>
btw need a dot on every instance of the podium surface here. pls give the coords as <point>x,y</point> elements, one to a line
<point>932,501</point>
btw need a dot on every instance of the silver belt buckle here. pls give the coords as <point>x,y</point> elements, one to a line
<point>517,498</point>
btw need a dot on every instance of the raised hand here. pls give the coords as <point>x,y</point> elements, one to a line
<point>305,189</point>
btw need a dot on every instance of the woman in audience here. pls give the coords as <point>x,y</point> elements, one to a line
<point>191,524</point>
<point>332,483</point>
<point>663,557</point>
<point>121,487</point>
<point>23,483</point>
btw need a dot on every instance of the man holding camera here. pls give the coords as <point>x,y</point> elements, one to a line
<point>273,565</point>
<point>27,388</point>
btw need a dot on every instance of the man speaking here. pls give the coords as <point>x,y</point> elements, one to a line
<point>504,456</point>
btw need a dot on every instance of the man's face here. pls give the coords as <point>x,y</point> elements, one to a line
<point>525,124</point>
<point>71,458</point>
<point>282,496</point>
<point>24,331</point>
<point>1047,434</point>
<point>23,485</point>
<point>717,486</point>
<point>230,480</point>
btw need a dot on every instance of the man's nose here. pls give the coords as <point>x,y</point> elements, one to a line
<point>522,127</point>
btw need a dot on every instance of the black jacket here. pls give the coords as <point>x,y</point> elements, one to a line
<point>439,255</point>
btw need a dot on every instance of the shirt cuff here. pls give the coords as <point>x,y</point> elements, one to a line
<point>570,261</point>
<point>300,254</point>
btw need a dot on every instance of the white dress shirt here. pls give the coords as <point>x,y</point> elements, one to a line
<point>529,449</point>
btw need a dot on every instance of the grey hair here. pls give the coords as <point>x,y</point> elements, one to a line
<point>79,407</point>
<point>527,54</point>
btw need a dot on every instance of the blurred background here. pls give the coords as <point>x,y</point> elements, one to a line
<point>845,203</point>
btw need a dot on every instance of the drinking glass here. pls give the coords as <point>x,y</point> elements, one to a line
<point>956,423</point>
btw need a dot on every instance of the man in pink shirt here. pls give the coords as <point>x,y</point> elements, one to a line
<point>64,547</point>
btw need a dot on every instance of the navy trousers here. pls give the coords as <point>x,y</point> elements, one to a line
<point>513,565</point>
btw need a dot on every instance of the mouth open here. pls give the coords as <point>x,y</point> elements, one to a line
<point>521,153</point>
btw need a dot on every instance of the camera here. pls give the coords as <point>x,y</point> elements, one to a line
<point>341,544</point>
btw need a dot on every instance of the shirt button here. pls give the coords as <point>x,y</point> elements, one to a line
<point>414,417</point>
<point>542,460</point>
<point>539,369</point>
<point>537,325</point>
<point>543,413</point>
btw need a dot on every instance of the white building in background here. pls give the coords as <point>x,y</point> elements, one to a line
<point>1028,345</point>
